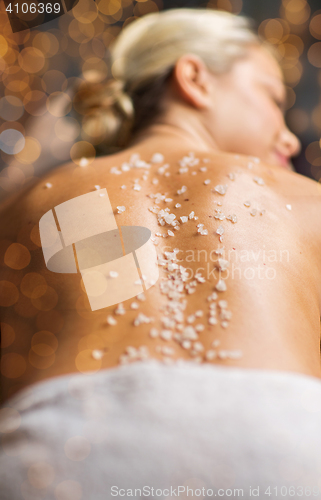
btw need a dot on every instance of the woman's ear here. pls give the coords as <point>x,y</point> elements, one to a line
<point>192,81</point>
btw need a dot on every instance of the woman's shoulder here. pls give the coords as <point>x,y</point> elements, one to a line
<point>156,166</point>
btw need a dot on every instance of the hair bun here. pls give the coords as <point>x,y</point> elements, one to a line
<point>107,110</point>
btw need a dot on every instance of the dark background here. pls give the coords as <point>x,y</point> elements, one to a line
<point>72,46</point>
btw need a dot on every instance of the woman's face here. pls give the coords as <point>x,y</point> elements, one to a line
<point>247,115</point>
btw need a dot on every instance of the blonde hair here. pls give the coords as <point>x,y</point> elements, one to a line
<point>142,59</point>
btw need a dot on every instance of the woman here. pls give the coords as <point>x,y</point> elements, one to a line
<point>197,106</point>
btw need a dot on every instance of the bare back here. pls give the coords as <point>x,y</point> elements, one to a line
<point>238,286</point>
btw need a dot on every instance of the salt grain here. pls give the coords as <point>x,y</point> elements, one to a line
<point>220,230</point>
<point>141,319</point>
<point>120,310</point>
<point>166,334</point>
<point>157,158</point>
<point>288,207</point>
<point>113,274</point>
<point>153,333</point>
<point>97,354</point>
<point>186,344</point>
<point>221,189</point>
<point>197,346</point>
<point>182,190</point>
<point>111,321</point>
<point>225,314</point>
<point>209,355</point>
<point>131,351</point>
<point>219,216</point>
<point>232,218</point>
<point>168,351</point>
<point>259,181</point>
<point>189,333</point>
<point>83,162</point>
<point>114,170</point>
<point>221,286</point>
<point>222,264</point>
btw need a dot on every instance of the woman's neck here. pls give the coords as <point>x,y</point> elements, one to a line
<point>178,126</point>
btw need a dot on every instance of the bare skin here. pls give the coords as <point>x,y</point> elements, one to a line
<point>274,296</point>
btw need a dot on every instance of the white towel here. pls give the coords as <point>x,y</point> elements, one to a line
<point>168,431</point>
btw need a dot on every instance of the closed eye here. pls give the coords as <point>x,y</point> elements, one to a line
<point>280,104</point>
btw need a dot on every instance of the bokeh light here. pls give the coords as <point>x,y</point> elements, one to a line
<point>315,26</point>
<point>17,256</point>
<point>31,59</point>
<point>11,108</point>
<point>47,43</point>
<point>13,365</point>
<point>313,154</point>
<point>53,80</point>
<point>7,335</point>
<point>314,54</point>
<point>68,489</point>
<point>41,475</point>
<point>12,141</point>
<point>30,152</point>
<point>44,343</point>
<point>296,11</point>
<point>82,149</point>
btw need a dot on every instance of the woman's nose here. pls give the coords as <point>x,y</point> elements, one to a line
<point>291,145</point>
